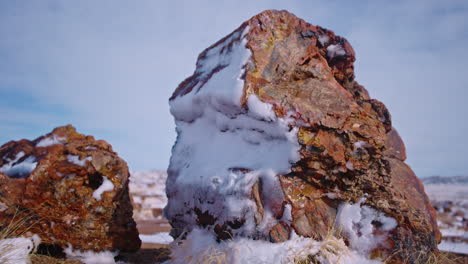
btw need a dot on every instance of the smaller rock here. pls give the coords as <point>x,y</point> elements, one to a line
<point>70,189</point>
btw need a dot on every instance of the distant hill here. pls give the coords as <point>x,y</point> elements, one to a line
<point>445,180</point>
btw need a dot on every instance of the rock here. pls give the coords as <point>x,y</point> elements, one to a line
<point>70,189</point>
<point>275,134</point>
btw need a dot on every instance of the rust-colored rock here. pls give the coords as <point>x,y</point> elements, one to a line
<point>71,188</point>
<point>348,148</point>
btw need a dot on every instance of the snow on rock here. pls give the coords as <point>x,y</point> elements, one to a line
<point>77,200</point>
<point>260,109</point>
<point>106,186</point>
<point>323,39</point>
<point>17,250</point>
<point>361,144</point>
<point>363,226</point>
<point>256,144</point>
<point>335,50</point>
<point>76,160</point>
<point>49,141</point>
<point>15,169</point>
<point>91,257</point>
<point>223,66</point>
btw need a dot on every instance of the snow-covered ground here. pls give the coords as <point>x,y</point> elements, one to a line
<point>157,238</point>
<point>148,195</point>
<point>449,195</point>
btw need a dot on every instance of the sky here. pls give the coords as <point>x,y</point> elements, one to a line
<point>109,67</point>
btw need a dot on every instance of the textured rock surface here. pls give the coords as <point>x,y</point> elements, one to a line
<point>71,188</point>
<point>348,148</point>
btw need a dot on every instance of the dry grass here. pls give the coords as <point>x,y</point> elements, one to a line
<point>41,259</point>
<point>20,223</point>
<point>332,249</point>
<point>16,226</point>
<point>439,257</point>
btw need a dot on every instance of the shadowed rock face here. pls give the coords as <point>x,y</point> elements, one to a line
<point>71,189</point>
<point>347,145</point>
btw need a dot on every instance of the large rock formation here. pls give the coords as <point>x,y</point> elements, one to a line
<point>275,136</point>
<point>70,190</point>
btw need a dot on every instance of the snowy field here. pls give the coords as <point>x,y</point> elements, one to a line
<point>449,195</point>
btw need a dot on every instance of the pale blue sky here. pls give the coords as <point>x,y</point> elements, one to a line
<point>108,67</point>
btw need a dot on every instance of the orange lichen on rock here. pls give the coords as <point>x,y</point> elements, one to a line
<point>71,188</point>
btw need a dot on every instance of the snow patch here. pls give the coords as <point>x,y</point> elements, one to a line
<point>222,149</point>
<point>223,91</point>
<point>49,141</point>
<point>3,207</point>
<point>91,257</point>
<point>260,109</point>
<point>323,39</point>
<point>460,247</point>
<point>363,226</point>
<point>361,144</point>
<point>331,195</point>
<point>335,50</point>
<point>76,160</point>
<point>158,238</point>
<point>21,170</point>
<point>201,247</point>
<point>106,185</point>
<point>17,250</point>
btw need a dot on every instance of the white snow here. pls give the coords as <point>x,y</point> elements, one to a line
<point>356,222</point>
<point>17,250</point>
<point>49,141</point>
<point>360,144</point>
<point>331,195</point>
<point>19,170</point>
<point>148,183</point>
<point>350,165</point>
<point>106,185</point>
<point>453,232</point>
<point>158,238</point>
<point>91,257</point>
<point>3,207</point>
<point>260,109</point>
<point>76,160</point>
<point>224,89</point>
<point>208,151</point>
<point>201,247</point>
<point>148,192</point>
<point>223,149</point>
<point>454,247</point>
<point>323,39</point>
<point>335,50</point>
